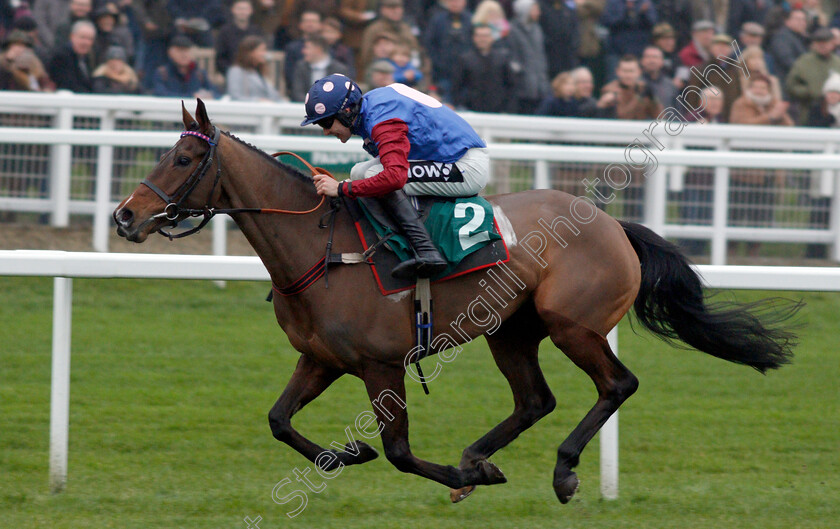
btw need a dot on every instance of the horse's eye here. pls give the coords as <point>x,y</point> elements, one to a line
<point>182,160</point>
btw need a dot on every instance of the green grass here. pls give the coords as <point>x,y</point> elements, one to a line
<point>172,382</point>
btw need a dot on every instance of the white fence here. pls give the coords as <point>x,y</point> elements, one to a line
<point>63,266</point>
<point>694,183</point>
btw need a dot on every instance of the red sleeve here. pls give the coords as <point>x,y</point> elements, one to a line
<point>391,138</point>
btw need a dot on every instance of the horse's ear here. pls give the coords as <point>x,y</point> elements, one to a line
<point>204,125</point>
<point>189,122</point>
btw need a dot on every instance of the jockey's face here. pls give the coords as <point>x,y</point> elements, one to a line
<point>338,130</point>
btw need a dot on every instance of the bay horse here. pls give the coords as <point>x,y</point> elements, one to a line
<point>573,290</point>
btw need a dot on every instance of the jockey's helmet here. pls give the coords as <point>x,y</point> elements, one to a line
<point>332,96</point>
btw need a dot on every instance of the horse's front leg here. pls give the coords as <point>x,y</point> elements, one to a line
<point>386,388</point>
<point>308,381</point>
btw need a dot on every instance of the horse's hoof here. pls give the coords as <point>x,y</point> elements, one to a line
<point>456,495</point>
<point>366,452</point>
<point>490,473</point>
<point>566,487</point>
<point>353,454</point>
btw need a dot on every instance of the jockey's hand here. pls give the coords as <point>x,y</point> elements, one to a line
<point>326,185</point>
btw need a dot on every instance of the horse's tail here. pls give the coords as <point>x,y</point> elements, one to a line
<point>671,304</point>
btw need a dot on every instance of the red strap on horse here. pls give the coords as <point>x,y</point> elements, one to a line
<point>303,282</point>
<point>314,171</point>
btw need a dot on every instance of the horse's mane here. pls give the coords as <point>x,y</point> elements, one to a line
<point>294,171</point>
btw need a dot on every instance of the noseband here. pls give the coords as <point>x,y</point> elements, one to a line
<point>173,207</point>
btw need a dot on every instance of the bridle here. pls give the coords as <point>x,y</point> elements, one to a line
<point>174,209</point>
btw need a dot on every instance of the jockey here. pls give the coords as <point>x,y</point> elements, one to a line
<point>420,147</point>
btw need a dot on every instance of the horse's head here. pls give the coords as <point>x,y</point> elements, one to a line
<point>183,182</point>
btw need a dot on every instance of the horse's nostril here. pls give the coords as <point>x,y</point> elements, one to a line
<point>125,217</point>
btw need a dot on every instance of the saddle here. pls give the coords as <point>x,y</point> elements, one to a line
<point>469,249</point>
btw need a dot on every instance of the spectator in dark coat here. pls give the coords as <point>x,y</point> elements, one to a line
<point>789,42</point>
<point>664,37</point>
<point>527,45</point>
<point>630,23</point>
<point>231,34</point>
<point>325,8</point>
<point>269,16</point>
<point>447,37</point>
<point>332,31</point>
<point>78,10</point>
<point>316,64</point>
<point>677,13</point>
<point>71,66</point>
<point>7,14</point>
<point>156,28</point>
<point>110,32</point>
<point>560,25</point>
<point>591,50</point>
<point>663,88</point>
<point>181,76</point>
<point>309,24</point>
<point>196,20</point>
<point>483,80</point>
<point>728,16</point>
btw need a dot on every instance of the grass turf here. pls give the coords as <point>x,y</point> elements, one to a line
<point>172,382</point>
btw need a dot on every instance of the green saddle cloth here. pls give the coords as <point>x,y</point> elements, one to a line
<point>457,227</point>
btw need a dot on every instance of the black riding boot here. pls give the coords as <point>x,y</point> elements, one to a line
<point>427,260</point>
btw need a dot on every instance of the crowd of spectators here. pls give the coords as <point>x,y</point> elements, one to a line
<point>625,59</point>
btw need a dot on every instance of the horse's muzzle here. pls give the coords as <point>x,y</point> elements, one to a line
<point>125,219</point>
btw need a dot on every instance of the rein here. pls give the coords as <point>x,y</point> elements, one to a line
<point>173,209</point>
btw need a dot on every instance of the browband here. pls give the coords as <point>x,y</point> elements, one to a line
<point>208,139</point>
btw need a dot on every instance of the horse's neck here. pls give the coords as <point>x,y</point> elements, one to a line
<point>287,244</point>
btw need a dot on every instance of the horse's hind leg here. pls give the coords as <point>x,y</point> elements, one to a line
<point>308,381</point>
<point>514,346</point>
<point>614,382</point>
<point>386,388</point>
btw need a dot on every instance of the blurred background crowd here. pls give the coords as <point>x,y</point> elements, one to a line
<point>625,59</point>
